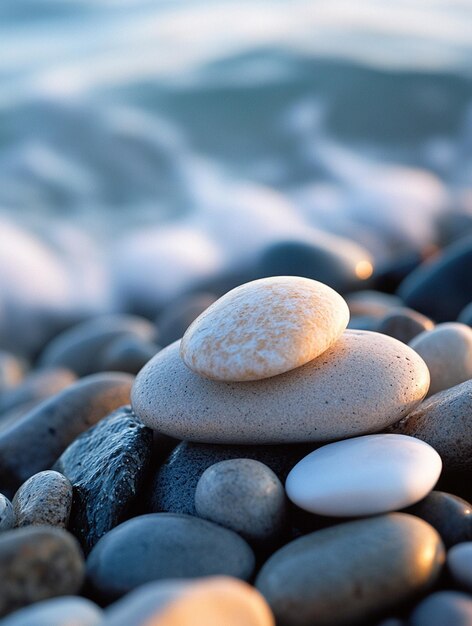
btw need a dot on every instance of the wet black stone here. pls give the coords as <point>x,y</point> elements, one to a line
<point>173,487</point>
<point>388,276</point>
<point>450,515</point>
<point>441,288</point>
<point>106,466</point>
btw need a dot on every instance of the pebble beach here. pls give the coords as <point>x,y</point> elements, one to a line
<point>235,316</point>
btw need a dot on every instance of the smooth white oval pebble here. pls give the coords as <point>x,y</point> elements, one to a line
<point>364,476</point>
<point>264,328</point>
<point>459,561</point>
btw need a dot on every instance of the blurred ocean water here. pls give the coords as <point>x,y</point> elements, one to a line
<point>347,116</point>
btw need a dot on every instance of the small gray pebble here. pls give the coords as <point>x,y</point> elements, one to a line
<point>44,499</point>
<point>245,496</point>
<point>7,516</point>
<point>404,324</point>
<point>444,608</point>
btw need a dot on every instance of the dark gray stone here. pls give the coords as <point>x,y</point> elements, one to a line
<point>450,515</point>
<point>173,488</point>
<point>36,387</point>
<point>443,421</point>
<point>465,316</point>
<point>404,324</point>
<point>127,354</point>
<point>80,347</point>
<point>243,495</point>
<point>106,466</point>
<point>45,499</point>
<point>443,608</point>
<point>35,441</point>
<point>353,572</point>
<point>164,546</point>
<point>179,314</point>
<point>338,268</point>
<point>442,287</point>
<point>36,563</point>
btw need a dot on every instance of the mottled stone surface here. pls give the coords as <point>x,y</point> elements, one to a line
<point>7,516</point>
<point>264,328</point>
<point>79,348</point>
<point>447,351</point>
<point>245,496</point>
<point>214,600</point>
<point>443,421</point>
<point>106,466</point>
<point>35,441</point>
<point>67,611</point>
<point>450,515</point>
<point>164,546</point>
<point>352,572</point>
<point>44,499</point>
<point>363,383</point>
<point>37,563</point>
<point>175,482</point>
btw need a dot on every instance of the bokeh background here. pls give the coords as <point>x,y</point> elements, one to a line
<point>148,149</point>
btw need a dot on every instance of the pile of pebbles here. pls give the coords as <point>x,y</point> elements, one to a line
<point>298,458</point>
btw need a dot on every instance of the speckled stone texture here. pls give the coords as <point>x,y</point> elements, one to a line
<point>35,441</point>
<point>37,563</point>
<point>337,576</point>
<point>173,487</point>
<point>164,546</point>
<point>245,496</point>
<point>7,516</point>
<point>362,384</point>
<point>264,328</point>
<point>106,466</point>
<point>44,499</point>
<point>443,421</point>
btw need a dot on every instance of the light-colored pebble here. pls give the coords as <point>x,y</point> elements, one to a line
<point>447,351</point>
<point>207,602</point>
<point>264,328</point>
<point>363,383</point>
<point>245,496</point>
<point>44,499</point>
<point>66,611</point>
<point>364,476</point>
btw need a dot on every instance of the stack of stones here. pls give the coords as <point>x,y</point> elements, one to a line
<point>275,467</point>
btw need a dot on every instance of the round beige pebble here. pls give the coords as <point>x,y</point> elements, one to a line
<point>207,602</point>
<point>264,328</point>
<point>447,351</point>
<point>45,499</point>
<point>361,385</point>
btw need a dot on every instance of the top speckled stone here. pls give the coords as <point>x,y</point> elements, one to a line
<point>264,328</point>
